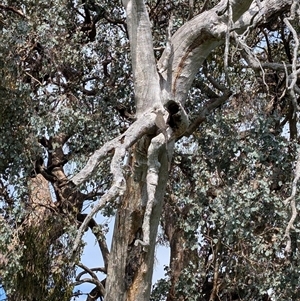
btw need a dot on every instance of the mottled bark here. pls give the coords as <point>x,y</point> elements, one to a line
<point>140,194</point>
<point>190,45</point>
<point>131,265</point>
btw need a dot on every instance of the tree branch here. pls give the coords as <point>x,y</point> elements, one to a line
<point>124,141</point>
<point>119,145</point>
<point>152,181</point>
<point>261,12</point>
<point>292,200</point>
<point>111,195</point>
<point>163,65</point>
<point>208,108</point>
<point>13,9</point>
<point>146,84</point>
<point>93,280</point>
<point>99,236</point>
<point>295,72</point>
<point>193,42</point>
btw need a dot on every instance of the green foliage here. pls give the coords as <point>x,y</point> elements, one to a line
<point>160,290</point>
<point>37,264</point>
<point>228,180</point>
<point>52,81</point>
<point>233,214</point>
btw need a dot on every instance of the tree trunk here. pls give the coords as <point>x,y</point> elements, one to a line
<point>131,264</point>
<point>161,90</point>
<point>181,254</point>
<point>37,234</point>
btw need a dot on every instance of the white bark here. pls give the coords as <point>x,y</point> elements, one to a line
<point>145,76</point>
<point>260,12</point>
<point>119,145</point>
<point>189,47</point>
<point>124,141</point>
<point>193,42</point>
<point>151,183</point>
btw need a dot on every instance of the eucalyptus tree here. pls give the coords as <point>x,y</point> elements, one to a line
<point>169,113</point>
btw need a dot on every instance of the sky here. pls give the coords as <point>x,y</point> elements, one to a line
<point>2,294</point>
<point>92,257</point>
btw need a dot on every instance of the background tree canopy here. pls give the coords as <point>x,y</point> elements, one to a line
<point>181,115</point>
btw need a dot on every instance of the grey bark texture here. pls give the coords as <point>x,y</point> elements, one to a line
<point>141,195</point>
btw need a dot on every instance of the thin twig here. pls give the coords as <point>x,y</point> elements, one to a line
<point>13,9</point>
<point>251,58</point>
<point>292,200</point>
<point>33,78</point>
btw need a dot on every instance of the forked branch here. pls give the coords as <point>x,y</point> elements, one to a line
<point>119,146</point>
<point>124,141</point>
<point>194,41</point>
<point>94,279</point>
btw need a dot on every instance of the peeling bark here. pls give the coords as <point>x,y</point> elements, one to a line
<point>130,266</point>
<point>141,194</point>
<point>193,42</point>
